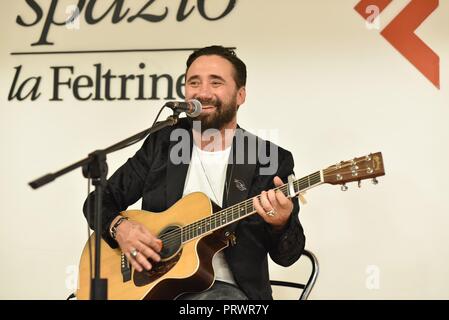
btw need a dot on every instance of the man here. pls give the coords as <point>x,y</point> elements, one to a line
<point>216,77</point>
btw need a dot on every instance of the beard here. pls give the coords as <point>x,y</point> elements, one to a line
<point>223,114</point>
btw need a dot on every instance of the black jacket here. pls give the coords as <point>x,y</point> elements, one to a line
<point>151,175</point>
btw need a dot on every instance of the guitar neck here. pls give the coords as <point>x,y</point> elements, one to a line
<point>244,209</point>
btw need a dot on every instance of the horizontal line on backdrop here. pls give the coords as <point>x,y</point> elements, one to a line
<point>106,51</point>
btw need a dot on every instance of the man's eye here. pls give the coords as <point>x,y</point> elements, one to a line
<point>216,83</point>
<point>194,83</point>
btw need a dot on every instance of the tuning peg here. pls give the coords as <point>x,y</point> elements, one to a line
<point>374,181</point>
<point>344,187</point>
<point>359,183</point>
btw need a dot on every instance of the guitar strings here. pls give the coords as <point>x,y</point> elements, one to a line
<point>174,235</point>
<point>229,216</point>
<point>225,215</point>
<point>228,213</point>
<point>217,218</point>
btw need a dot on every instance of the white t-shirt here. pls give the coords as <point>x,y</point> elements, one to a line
<point>207,174</point>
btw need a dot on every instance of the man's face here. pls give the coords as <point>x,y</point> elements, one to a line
<point>210,80</point>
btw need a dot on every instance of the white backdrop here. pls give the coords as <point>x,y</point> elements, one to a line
<point>328,86</point>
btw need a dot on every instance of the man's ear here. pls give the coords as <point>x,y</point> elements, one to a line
<point>241,96</point>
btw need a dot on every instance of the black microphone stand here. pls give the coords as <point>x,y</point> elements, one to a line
<point>96,168</point>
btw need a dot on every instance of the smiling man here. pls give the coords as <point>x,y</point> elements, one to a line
<point>216,77</point>
<point>217,84</point>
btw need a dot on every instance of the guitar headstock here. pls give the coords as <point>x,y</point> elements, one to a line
<point>370,166</point>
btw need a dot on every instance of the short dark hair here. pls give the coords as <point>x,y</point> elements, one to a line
<point>228,54</point>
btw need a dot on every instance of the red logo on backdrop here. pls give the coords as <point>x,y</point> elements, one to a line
<point>400,33</point>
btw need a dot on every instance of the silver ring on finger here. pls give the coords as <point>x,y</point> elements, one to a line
<point>134,253</point>
<point>271,213</point>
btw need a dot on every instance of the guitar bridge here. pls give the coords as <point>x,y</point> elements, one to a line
<point>125,267</point>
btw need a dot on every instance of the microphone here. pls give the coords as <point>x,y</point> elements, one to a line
<point>192,107</point>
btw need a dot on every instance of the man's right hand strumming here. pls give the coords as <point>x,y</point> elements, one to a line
<point>137,243</point>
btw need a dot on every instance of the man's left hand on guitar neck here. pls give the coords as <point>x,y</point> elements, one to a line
<point>274,207</point>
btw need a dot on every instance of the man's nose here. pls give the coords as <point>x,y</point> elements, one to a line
<point>204,92</point>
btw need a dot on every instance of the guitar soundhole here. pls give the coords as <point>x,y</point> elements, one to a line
<point>170,254</point>
<point>171,241</point>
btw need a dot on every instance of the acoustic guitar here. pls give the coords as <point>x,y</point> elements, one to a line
<point>191,240</point>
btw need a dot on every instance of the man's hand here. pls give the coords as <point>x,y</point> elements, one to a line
<point>274,207</point>
<point>133,236</point>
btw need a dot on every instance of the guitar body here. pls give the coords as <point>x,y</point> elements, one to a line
<point>183,267</point>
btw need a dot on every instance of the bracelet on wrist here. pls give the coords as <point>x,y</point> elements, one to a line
<point>113,230</point>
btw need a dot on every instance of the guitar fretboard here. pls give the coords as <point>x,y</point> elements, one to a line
<point>243,209</point>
